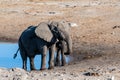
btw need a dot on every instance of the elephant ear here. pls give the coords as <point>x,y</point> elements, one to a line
<point>43,32</point>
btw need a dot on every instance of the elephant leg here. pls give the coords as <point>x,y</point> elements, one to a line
<point>63,60</point>
<point>24,63</point>
<point>24,59</point>
<point>51,57</point>
<point>63,55</point>
<point>43,63</point>
<point>58,61</point>
<point>32,67</point>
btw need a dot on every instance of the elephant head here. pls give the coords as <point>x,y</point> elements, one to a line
<point>46,31</point>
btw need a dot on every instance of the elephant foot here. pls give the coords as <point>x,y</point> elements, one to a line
<point>43,69</point>
<point>51,68</point>
<point>24,69</point>
<point>64,64</point>
<point>33,69</point>
<point>57,64</point>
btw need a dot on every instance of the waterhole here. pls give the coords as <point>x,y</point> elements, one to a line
<point>7,50</point>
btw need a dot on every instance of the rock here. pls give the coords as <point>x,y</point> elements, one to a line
<point>17,69</point>
<point>112,78</point>
<point>111,69</point>
<point>20,77</point>
<point>91,74</point>
<point>45,74</point>
<point>73,24</point>
<point>114,27</point>
<point>52,12</point>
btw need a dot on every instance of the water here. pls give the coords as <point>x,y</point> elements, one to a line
<point>7,50</point>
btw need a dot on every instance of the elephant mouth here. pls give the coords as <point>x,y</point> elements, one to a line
<point>66,53</point>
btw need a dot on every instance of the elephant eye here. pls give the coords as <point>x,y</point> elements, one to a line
<point>56,30</point>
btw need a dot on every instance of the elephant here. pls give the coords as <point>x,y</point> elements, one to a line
<point>36,40</point>
<point>61,51</point>
<point>61,47</point>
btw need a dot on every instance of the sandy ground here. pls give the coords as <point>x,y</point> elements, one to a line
<point>96,38</point>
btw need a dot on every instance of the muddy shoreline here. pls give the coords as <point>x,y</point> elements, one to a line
<point>4,39</point>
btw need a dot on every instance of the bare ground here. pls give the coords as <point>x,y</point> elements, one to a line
<point>96,39</point>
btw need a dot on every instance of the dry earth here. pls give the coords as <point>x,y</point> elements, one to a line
<point>96,38</point>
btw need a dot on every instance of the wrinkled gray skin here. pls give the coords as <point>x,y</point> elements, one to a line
<point>31,44</point>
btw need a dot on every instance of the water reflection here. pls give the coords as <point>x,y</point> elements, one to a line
<point>7,51</point>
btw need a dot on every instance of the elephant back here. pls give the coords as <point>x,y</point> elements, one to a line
<point>43,32</point>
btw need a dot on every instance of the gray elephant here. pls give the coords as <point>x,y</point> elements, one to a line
<point>61,47</point>
<point>38,39</point>
<point>61,51</point>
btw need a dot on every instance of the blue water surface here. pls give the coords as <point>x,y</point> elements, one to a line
<point>7,50</point>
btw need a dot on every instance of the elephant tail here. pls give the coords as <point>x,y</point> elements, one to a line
<point>15,55</point>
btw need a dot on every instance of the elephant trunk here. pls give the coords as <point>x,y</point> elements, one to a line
<point>69,45</point>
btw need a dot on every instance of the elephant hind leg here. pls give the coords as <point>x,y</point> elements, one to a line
<point>24,60</point>
<point>32,67</point>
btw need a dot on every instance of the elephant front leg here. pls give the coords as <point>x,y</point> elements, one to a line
<point>43,63</point>
<point>51,57</point>
<point>58,61</point>
<point>63,55</point>
<point>32,67</point>
<point>63,60</point>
